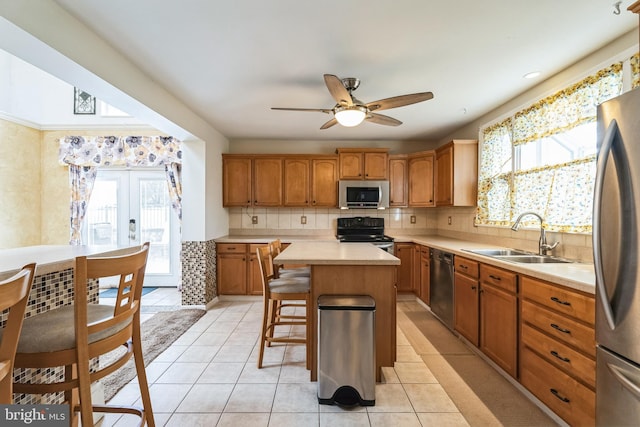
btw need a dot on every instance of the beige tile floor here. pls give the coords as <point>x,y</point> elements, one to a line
<point>208,377</point>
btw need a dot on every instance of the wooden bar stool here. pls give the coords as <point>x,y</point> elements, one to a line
<point>14,295</point>
<point>279,294</point>
<point>72,335</point>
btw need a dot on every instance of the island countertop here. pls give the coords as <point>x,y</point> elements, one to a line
<point>51,258</point>
<point>335,253</point>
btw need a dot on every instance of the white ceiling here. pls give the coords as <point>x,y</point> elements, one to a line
<point>230,61</point>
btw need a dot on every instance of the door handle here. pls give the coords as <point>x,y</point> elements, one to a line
<point>132,229</point>
<point>626,382</point>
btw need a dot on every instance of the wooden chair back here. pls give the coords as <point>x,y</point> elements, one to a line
<point>14,295</point>
<point>265,261</point>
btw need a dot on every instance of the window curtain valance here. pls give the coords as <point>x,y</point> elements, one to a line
<point>119,150</point>
<point>635,70</point>
<point>568,108</point>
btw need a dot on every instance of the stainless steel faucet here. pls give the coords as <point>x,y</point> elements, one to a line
<point>543,246</point>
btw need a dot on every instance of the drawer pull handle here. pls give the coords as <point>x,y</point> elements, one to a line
<point>232,248</point>
<point>558,328</point>
<point>559,301</point>
<point>495,277</point>
<point>463,266</point>
<point>556,355</point>
<point>558,395</point>
<point>473,288</point>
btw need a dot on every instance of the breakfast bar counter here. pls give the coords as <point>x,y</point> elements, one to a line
<point>350,269</point>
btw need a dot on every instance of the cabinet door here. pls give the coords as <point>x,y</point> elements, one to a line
<point>375,166</point>
<point>232,274</point>
<point>267,182</point>
<point>421,181</point>
<point>398,182</point>
<point>444,176</point>
<point>425,267</point>
<point>404,251</point>
<point>498,327</point>
<point>254,287</point>
<point>236,182</point>
<point>351,165</point>
<point>296,182</point>
<point>324,182</point>
<point>466,306</point>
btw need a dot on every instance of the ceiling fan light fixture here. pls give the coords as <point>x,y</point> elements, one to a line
<point>350,116</point>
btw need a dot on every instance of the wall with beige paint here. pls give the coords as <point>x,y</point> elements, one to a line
<point>20,175</point>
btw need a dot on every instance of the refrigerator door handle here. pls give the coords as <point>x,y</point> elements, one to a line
<point>626,382</point>
<point>607,143</point>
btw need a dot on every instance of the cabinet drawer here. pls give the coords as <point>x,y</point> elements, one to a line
<point>580,306</point>
<point>467,267</point>
<point>231,248</point>
<point>563,357</point>
<point>572,401</point>
<point>498,277</point>
<point>569,331</point>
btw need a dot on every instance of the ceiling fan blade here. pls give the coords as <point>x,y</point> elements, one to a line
<point>337,90</point>
<point>399,101</point>
<point>317,110</point>
<point>329,124</point>
<point>382,120</point>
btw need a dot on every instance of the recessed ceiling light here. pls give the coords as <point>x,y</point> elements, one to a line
<point>531,75</point>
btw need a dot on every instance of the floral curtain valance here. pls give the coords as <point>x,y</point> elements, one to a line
<point>568,108</point>
<point>635,70</point>
<point>120,150</point>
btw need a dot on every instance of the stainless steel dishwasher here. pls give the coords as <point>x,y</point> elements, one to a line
<point>441,286</point>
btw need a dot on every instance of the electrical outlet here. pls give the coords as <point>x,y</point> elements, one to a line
<point>413,219</point>
<point>254,219</point>
<point>449,220</point>
<point>303,219</point>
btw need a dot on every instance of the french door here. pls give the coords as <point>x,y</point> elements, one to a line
<point>130,207</point>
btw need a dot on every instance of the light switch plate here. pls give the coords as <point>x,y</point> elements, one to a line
<point>254,219</point>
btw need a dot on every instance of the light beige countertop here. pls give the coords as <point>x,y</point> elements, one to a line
<point>50,258</point>
<point>335,253</point>
<point>580,276</point>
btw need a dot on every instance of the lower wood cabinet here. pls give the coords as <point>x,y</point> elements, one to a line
<point>557,348</point>
<point>404,251</point>
<point>466,297</point>
<point>499,317</point>
<point>425,273</point>
<point>238,271</point>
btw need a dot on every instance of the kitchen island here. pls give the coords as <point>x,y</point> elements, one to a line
<point>350,269</point>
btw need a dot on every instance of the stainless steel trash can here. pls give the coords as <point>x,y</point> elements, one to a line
<point>346,350</point>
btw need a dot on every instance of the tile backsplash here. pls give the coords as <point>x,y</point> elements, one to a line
<point>454,222</point>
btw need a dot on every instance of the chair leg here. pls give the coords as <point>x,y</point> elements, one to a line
<point>274,306</point>
<point>263,334</point>
<point>72,396</point>
<point>142,374</point>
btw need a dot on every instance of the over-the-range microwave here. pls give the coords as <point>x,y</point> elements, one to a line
<point>363,194</point>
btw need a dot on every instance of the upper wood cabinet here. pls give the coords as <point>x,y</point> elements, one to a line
<point>285,180</point>
<point>420,172</point>
<point>398,180</point>
<point>324,182</point>
<point>297,175</point>
<point>236,181</point>
<point>267,181</point>
<point>457,173</point>
<point>363,163</point>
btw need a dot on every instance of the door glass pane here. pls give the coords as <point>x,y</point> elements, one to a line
<point>102,215</point>
<point>155,212</point>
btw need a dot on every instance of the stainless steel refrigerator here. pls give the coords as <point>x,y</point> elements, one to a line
<point>616,241</point>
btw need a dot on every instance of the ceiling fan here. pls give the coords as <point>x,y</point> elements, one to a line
<point>350,111</point>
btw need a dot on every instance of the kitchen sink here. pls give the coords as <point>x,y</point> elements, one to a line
<point>497,252</point>
<point>532,259</point>
<point>516,255</point>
